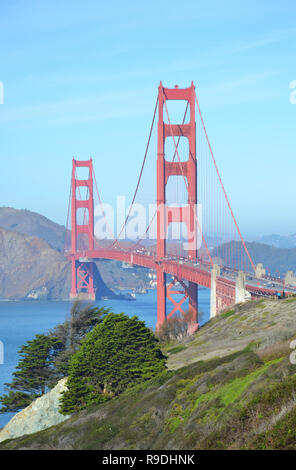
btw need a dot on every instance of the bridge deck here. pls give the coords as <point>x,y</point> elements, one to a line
<point>199,273</point>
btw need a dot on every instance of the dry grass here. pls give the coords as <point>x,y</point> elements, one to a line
<point>280,349</point>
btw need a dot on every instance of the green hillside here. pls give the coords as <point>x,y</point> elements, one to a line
<point>218,394</point>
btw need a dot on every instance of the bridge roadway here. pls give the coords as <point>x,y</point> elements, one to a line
<point>197,272</point>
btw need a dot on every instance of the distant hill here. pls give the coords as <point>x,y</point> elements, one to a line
<point>33,224</point>
<point>273,259</point>
<point>31,269</point>
<point>32,261</point>
<point>279,241</point>
<point>20,273</point>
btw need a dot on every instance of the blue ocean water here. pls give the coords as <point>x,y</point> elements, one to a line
<point>21,321</point>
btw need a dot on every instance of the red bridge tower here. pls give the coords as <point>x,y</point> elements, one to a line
<point>185,214</point>
<point>82,235</point>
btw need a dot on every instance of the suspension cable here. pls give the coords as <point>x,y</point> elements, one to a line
<point>220,180</point>
<point>174,156</point>
<point>140,176</point>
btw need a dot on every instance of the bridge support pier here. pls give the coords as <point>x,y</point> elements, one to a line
<point>161,298</point>
<point>213,297</point>
<point>82,281</point>
<point>290,279</point>
<point>193,301</point>
<point>260,271</point>
<point>170,292</point>
<point>241,294</point>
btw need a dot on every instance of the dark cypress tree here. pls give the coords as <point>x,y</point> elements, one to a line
<point>34,373</point>
<point>118,352</point>
<point>45,359</point>
<point>83,317</point>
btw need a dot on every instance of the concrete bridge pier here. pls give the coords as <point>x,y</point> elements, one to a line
<point>260,271</point>
<point>237,294</point>
<point>241,294</point>
<point>213,297</point>
<point>290,279</point>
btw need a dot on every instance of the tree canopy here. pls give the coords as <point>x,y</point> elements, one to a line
<point>118,352</point>
<point>34,373</point>
<point>83,317</point>
<point>45,359</point>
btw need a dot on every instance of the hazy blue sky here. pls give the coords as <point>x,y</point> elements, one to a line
<point>80,78</point>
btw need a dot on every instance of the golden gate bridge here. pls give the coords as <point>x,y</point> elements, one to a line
<point>187,177</point>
